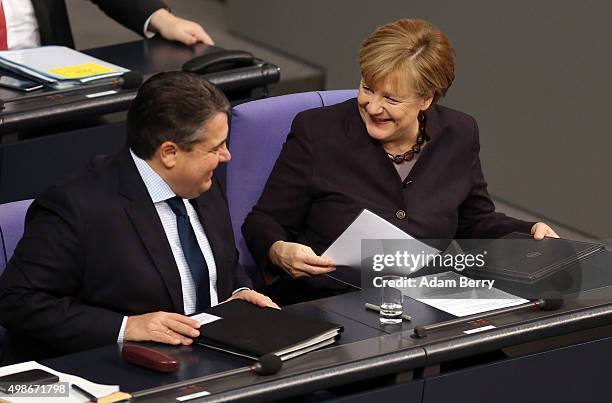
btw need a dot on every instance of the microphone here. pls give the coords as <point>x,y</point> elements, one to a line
<point>542,304</point>
<point>549,304</point>
<point>128,80</point>
<point>268,364</point>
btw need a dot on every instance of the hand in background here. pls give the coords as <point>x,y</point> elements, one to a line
<point>163,327</point>
<point>541,230</point>
<point>174,28</point>
<point>254,298</point>
<point>299,260</point>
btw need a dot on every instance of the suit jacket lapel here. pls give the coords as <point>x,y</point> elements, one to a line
<point>53,23</point>
<point>371,152</point>
<point>433,130</point>
<point>147,224</point>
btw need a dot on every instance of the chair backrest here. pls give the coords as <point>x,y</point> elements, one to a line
<point>258,131</point>
<point>12,218</point>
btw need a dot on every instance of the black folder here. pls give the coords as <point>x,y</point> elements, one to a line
<point>519,257</point>
<point>252,331</point>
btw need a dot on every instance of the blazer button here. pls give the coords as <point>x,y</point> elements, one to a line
<point>407,183</point>
<point>400,214</point>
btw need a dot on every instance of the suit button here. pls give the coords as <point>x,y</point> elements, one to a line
<point>405,184</point>
<point>400,214</point>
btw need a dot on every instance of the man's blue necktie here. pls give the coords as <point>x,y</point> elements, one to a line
<point>193,253</point>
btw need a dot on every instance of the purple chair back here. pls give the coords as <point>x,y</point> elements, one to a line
<point>258,131</point>
<point>12,218</point>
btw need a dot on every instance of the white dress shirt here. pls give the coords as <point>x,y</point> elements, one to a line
<point>21,24</point>
<point>160,191</point>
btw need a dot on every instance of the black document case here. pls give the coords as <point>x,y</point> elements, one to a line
<point>519,257</point>
<point>251,331</point>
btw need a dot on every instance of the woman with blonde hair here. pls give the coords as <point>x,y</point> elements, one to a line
<point>393,150</point>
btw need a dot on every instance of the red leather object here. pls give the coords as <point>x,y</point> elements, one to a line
<point>149,358</point>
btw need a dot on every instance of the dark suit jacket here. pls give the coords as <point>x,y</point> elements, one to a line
<point>54,25</point>
<point>94,250</point>
<point>330,169</point>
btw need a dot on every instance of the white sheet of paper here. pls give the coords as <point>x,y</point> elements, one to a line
<point>192,396</point>
<point>346,250</point>
<point>205,318</point>
<point>463,301</point>
<point>95,389</point>
<point>479,329</point>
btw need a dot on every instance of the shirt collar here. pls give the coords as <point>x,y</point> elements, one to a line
<point>158,189</point>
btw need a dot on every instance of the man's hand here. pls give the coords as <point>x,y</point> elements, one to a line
<point>254,298</point>
<point>163,327</point>
<point>178,29</point>
<point>541,230</point>
<point>299,260</point>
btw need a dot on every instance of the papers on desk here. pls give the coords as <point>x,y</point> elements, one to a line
<point>58,66</point>
<point>102,392</point>
<point>465,301</point>
<point>346,250</point>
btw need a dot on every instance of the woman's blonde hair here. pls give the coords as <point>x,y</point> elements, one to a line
<point>412,50</point>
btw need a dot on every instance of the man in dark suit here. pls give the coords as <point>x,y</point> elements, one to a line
<point>53,26</point>
<point>106,256</point>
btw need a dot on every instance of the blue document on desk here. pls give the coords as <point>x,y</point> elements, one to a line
<point>58,66</point>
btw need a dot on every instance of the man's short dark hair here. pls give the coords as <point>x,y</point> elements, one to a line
<point>171,106</point>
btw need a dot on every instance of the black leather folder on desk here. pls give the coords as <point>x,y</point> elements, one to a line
<point>252,331</point>
<point>518,257</point>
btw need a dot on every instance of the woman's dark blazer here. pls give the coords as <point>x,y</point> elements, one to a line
<point>330,169</point>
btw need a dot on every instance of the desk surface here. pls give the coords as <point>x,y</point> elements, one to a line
<point>365,350</point>
<point>196,361</point>
<point>146,56</point>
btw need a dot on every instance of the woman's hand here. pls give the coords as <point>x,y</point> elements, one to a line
<point>541,230</point>
<point>299,260</point>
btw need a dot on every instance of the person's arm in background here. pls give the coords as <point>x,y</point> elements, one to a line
<point>477,216</point>
<point>279,215</point>
<point>142,16</point>
<point>174,28</point>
